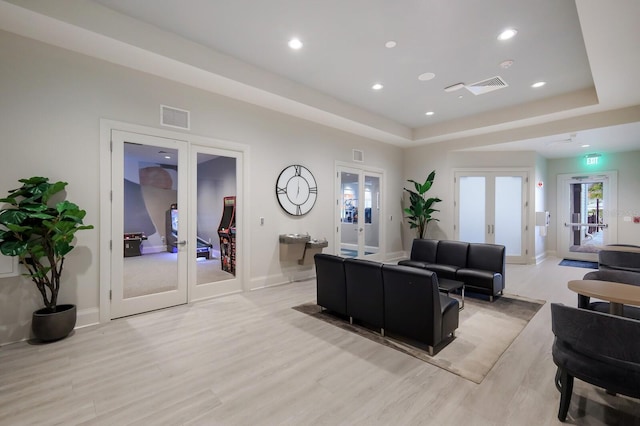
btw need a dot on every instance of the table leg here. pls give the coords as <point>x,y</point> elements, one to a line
<point>616,309</point>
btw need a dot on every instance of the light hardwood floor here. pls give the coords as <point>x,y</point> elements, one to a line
<point>250,359</point>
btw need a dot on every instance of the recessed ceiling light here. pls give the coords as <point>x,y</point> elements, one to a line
<point>377,86</point>
<point>460,97</point>
<point>390,44</point>
<point>167,157</point>
<point>586,145</point>
<point>538,84</point>
<point>429,113</point>
<point>426,76</point>
<point>507,34</point>
<point>506,64</point>
<point>295,44</point>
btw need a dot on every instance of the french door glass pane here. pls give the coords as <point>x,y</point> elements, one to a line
<point>472,209</point>
<point>150,242</point>
<point>508,213</point>
<point>587,207</point>
<point>349,215</point>
<point>215,240</point>
<point>371,214</point>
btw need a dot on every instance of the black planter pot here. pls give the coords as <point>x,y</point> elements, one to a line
<point>49,326</point>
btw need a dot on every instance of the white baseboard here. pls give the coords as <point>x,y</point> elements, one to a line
<point>541,257</point>
<point>395,256</point>
<point>153,249</point>
<point>87,317</point>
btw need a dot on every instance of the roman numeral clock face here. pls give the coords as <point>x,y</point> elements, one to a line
<point>296,190</point>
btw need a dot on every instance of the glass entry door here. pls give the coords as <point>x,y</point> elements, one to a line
<point>586,223</point>
<point>359,213</point>
<point>149,235</point>
<point>491,208</point>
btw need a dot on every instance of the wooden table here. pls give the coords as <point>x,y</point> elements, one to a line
<point>617,294</point>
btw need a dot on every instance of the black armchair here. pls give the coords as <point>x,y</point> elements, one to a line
<point>331,287</point>
<point>598,348</point>
<point>413,306</point>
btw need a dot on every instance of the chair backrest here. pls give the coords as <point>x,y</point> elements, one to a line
<point>623,258</point>
<point>424,250</point>
<point>489,257</point>
<point>365,291</point>
<point>412,302</point>
<point>331,288</point>
<point>452,253</point>
<point>609,338</point>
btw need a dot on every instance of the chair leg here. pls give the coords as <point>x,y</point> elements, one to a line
<point>430,348</point>
<point>566,388</point>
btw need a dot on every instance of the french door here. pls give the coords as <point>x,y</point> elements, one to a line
<point>586,214</point>
<point>149,243</point>
<point>490,207</point>
<point>359,213</point>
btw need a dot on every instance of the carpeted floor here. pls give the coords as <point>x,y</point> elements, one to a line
<point>579,263</point>
<point>485,331</point>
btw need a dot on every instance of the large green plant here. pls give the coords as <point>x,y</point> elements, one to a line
<point>420,208</point>
<point>40,235</point>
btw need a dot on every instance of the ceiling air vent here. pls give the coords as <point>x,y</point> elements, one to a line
<point>358,156</point>
<point>486,86</point>
<point>174,117</point>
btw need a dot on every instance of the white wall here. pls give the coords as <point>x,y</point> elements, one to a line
<point>51,105</point>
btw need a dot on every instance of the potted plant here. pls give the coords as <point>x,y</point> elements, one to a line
<point>40,235</point>
<point>420,207</point>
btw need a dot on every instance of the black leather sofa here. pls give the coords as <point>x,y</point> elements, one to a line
<point>620,264</point>
<point>480,266</point>
<point>396,299</point>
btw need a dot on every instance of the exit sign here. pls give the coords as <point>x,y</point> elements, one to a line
<point>592,159</point>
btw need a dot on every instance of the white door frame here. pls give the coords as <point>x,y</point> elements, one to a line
<point>362,170</point>
<point>105,254</point>
<point>563,209</point>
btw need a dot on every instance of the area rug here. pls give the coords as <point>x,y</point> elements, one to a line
<point>579,263</point>
<point>485,332</point>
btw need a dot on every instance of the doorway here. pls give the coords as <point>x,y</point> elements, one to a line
<point>490,207</point>
<point>170,202</point>
<point>359,212</point>
<point>586,218</point>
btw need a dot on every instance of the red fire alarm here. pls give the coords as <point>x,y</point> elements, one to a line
<point>540,184</point>
<point>636,219</point>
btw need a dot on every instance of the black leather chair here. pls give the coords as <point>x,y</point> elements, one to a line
<point>414,308</point>
<point>331,289</point>
<point>365,292</point>
<point>423,253</point>
<point>485,267</point>
<point>452,255</point>
<point>598,348</point>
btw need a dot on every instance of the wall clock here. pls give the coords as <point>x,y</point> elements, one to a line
<point>296,190</point>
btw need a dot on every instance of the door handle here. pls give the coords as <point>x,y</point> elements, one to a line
<point>182,243</point>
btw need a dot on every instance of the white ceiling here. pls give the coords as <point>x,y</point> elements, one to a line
<point>585,51</point>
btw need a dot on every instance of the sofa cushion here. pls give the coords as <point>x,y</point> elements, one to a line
<point>452,253</point>
<point>443,271</point>
<point>415,263</point>
<point>423,250</point>
<point>619,259</point>
<point>489,257</point>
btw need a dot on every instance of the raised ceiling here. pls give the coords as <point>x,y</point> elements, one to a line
<point>584,51</point>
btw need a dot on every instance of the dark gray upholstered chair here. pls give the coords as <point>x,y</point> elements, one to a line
<point>415,308</point>
<point>620,264</point>
<point>365,292</point>
<point>597,348</point>
<point>330,283</point>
